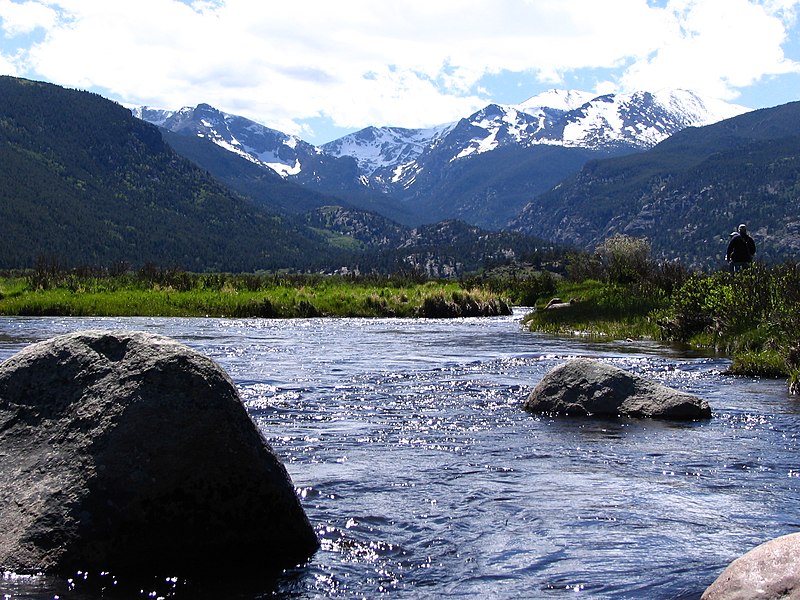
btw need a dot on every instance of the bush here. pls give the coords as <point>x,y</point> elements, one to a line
<point>582,266</point>
<point>753,314</point>
<point>625,259</point>
<point>527,291</point>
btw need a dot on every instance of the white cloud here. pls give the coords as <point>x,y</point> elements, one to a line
<point>7,66</point>
<point>715,46</point>
<point>21,18</point>
<point>411,63</point>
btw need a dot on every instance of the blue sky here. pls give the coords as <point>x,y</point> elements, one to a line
<point>319,69</point>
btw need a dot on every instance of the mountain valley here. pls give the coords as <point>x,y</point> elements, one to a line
<point>88,183</point>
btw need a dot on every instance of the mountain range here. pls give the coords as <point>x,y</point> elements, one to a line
<point>85,181</point>
<point>482,169</point>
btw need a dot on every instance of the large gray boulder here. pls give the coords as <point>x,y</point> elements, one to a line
<point>770,571</point>
<point>585,387</point>
<point>129,451</point>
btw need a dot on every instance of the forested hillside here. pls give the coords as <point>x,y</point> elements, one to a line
<point>687,193</point>
<point>445,249</point>
<point>86,183</point>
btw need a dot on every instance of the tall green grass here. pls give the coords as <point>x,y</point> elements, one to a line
<point>754,315</point>
<point>168,294</point>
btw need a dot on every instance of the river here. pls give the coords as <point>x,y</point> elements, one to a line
<point>424,478</point>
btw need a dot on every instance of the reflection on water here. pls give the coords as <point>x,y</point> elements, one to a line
<point>424,479</point>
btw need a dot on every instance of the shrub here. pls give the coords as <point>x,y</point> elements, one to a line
<point>582,266</point>
<point>625,259</point>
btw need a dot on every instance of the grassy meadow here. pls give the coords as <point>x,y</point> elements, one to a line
<point>156,292</point>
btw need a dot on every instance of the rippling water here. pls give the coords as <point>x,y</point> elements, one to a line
<point>425,479</point>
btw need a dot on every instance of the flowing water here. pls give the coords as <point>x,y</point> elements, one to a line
<point>424,478</point>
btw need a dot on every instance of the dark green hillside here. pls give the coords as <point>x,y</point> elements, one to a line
<point>686,194</point>
<point>758,125</point>
<point>444,249</point>
<point>359,230</point>
<point>84,182</point>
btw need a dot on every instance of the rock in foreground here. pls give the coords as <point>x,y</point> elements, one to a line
<point>769,571</point>
<point>584,387</point>
<point>129,451</point>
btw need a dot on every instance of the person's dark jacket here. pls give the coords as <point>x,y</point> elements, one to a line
<point>741,248</point>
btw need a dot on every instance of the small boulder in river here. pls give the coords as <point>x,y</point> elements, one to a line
<point>128,451</point>
<point>769,571</point>
<point>585,387</point>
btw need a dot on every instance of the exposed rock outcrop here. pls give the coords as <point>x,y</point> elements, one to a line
<point>129,451</point>
<point>770,571</point>
<point>584,387</point>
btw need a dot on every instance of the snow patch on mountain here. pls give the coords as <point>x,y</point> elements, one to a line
<point>252,141</point>
<point>375,148</point>
<point>156,116</point>
<point>640,119</point>
<point>580,119</point>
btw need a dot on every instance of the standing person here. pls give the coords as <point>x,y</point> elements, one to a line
<point>741,249</point>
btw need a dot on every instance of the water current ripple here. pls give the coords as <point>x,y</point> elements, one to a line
<point>424,479</point>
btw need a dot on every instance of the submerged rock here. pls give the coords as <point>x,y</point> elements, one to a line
<point>129,451</point>
<point>584,387</point>
<point>769,571</point>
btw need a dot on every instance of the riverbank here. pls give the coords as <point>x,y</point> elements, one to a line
<point>180,294</point>
<point>753,317</point>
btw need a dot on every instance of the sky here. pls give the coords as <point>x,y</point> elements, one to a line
<point>320,69</point>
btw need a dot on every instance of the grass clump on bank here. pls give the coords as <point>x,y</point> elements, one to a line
<point>615,293</point>
<point>596,309</point>
<point>169,293</point>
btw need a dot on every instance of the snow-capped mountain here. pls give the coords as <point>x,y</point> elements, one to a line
<point>580,120</point>
<point>639,120</point>
<point>392,158</point>
<point>267,147</point>
<point>479,168</point>
<point>376,148</point>
<point>559,117</point>
<point>565,119</point>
